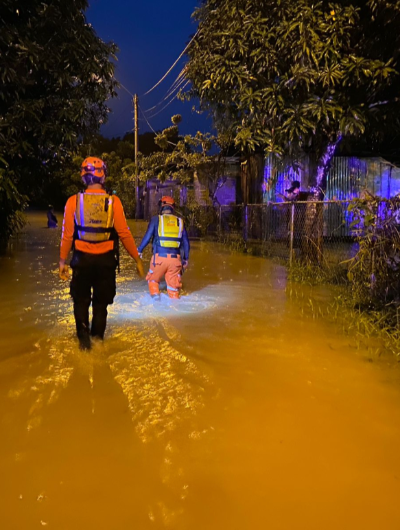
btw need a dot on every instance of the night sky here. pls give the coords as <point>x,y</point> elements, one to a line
<point>150,35</point>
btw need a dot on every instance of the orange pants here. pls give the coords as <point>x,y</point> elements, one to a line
<point>171,268</point>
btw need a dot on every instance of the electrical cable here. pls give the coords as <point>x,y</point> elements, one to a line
<point>177,83</point>
<point>130,93</point>
<point>169,102</point>
<point>182,73</point>
<point>149,124</point>
<point>173,66</point>
<point>146,120</point>
<point>176,87</point>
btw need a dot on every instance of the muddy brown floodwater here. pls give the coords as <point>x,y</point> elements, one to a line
<point>234,408</point>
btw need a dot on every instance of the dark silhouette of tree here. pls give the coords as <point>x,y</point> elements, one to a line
<point>56,76</point>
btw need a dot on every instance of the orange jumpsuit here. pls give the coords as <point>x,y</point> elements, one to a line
<point>165,261</point>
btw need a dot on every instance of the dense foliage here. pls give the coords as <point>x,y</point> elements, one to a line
<point>118,180</point>
<point>295,77</point>
<point>185,158</point>
<point>374,272</point>
<point>56,76</point>
<point>12,203</point>
<point>118,153</point>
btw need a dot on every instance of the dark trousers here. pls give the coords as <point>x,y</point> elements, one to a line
<point>93,281</point>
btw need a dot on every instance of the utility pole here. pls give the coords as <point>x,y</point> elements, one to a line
<point>136,129</point>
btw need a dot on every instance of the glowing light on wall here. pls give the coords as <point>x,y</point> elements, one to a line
<point>350,177</point>
<point>278,176</point>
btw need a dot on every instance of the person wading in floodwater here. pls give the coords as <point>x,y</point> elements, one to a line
<point>170,250</point>
<point>92,223</point>
<point>51,218</point>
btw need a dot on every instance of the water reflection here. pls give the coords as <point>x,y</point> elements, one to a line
<point>161,384</point>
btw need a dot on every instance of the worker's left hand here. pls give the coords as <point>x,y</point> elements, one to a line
<point>63,271</point>
<point>185,264</point>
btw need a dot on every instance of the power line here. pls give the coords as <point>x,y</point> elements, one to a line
<point>178,81</point>
<point>149,124</point>
<point>173,66</point>
<point>146,120</point>
<point>169,102</point>
<point>176,86</point>
<point>129,92</point>
<point>182,74</point>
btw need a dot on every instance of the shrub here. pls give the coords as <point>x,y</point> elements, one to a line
<point>374,272</point>
<point>12,204</point>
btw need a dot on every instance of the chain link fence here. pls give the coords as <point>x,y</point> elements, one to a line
<point>319,232</point>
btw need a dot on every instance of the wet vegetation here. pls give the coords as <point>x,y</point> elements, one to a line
<point>311,274</point>
<point>12,204</point>
<point>374,273</point>
<point>379,331</point>
<point>370,303</point>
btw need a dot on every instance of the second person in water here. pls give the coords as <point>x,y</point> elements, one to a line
<point>170,250</point>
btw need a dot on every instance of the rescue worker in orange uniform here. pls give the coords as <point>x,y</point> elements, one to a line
<point>93,222</point>
<point>170,250</point>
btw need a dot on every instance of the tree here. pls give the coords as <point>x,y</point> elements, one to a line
<point>56,76</point>
<point>183,157</point>
<point>296,77</point>
<point>12,204</point>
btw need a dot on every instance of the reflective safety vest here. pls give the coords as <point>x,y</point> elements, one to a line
<point>170,228</point>
<point>94,217</point>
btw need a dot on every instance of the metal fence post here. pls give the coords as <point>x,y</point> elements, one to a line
<point>291,233</point>
<point>246,226</point>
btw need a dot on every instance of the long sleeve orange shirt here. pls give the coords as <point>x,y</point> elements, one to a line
<point>120,226</point>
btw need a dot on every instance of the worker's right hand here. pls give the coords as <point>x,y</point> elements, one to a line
<point>63,271</point>
<point>140,269</point>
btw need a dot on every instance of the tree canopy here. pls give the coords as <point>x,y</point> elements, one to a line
<point>292,77</point>
<point>56,76</point>
<point>182,157</point>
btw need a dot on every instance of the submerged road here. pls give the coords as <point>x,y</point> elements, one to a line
<point>235,408</point>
